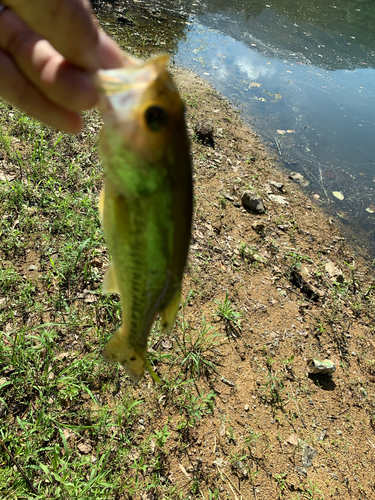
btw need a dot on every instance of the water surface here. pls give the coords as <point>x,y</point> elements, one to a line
<point>302,74</point>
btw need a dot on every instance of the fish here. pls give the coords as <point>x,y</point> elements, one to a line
<point>146,203</point>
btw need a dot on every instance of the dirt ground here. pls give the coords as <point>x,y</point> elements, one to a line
<point>275,268</point>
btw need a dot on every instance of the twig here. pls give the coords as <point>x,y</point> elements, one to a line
<point>230,482</point>
<point>183,470</point>
<point>234,494</point>
<point>295,401</point>
<point>204,196</point>
<point>19,467</point>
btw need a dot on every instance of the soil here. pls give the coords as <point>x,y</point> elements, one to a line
<point>272,265</point>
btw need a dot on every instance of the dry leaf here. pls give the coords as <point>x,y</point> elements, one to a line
<point>84,448</point>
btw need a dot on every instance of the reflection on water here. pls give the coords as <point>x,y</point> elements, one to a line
<point>301,72</point>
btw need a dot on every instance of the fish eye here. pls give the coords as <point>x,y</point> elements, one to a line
<point>156,117</point>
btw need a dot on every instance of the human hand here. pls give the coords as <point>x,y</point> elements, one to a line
<point>49,52</point>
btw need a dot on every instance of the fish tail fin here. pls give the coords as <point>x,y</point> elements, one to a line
<point>168,315</point>
<point>119,350</point>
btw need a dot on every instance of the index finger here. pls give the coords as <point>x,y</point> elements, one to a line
<point>70,27</point>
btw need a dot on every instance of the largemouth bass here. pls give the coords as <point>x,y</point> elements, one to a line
<point>146,202</point>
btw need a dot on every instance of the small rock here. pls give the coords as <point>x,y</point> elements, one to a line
<point>246,407</point>
<point>125,20</point>
<point>204,130</point>
<point>219,462</point>
<point>67,433</point>
<point>253,201</point>
<point>295,176</point>
<point>301,471</point>
<point>242,469</point>
<point>90,298</point>
<point>3,381</point>
<point>167,344</point>
<point>33,268</point>
<point>281,200</point>
<point>227,382</point>
<point>277,185</point>
<point>308,455</point>
<point>293,439</point>
<point>322,435</point>
<point>258,227</point>
<point>339,433</point>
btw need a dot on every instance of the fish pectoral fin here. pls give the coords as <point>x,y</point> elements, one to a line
<point>168,315</point>
<point>119,350</point>
<point>101,204</point>
<point>110,284</point>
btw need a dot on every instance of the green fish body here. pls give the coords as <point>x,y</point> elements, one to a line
<point>146,202</point>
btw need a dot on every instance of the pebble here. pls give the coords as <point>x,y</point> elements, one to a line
<point>227,382</point>
<point>246,407</point>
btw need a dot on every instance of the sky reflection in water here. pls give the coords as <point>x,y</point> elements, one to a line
<point>331,111</point>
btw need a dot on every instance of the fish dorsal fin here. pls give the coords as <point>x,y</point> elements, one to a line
<point>168,315</point>
<point>110,281</point>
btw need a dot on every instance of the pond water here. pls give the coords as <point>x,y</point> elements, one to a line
<point>302,74</point>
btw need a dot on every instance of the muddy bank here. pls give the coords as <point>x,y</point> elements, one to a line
<point>303,293</point>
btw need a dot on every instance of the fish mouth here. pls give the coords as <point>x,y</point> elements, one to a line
<point>120,87</point>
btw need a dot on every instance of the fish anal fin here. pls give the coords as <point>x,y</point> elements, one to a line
<point>168,315</point>
<point>119,350</point>
<point>110,284</point>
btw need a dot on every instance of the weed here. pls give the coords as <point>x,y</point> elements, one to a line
<point>231,317</point>
<point>312,492</point>
<point>273,385</point>
<point>281,483</point>
<point>198,348</point>
<point>297,259</point>
<point>223,202</point>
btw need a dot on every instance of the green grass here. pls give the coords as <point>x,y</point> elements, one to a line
<point>228,314</point>
<point>70,420</point>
